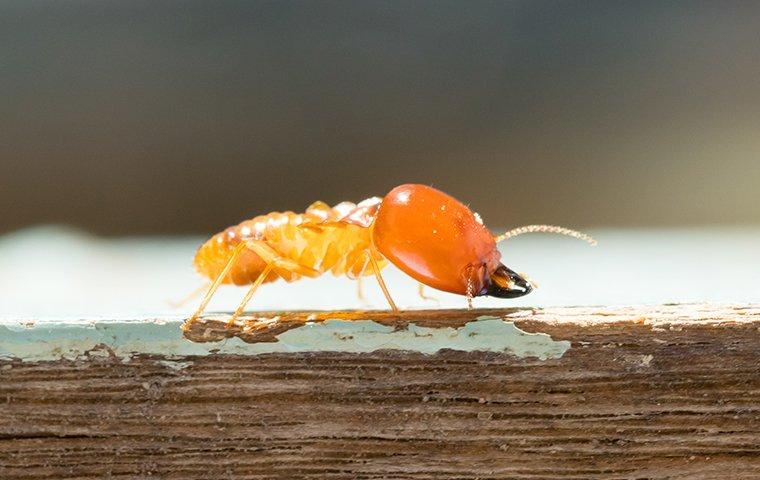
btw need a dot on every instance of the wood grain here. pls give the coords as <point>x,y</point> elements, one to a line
<point>644,392</point>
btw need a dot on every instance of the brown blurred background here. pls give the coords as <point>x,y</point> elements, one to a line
<point>176,117</point>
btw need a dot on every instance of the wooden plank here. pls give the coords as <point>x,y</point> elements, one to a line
<point>642,392</point>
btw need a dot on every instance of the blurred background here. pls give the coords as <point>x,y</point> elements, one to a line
<point>151,117</point>
<point>134,118</point>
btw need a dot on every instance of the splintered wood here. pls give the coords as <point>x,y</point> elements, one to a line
<point>265,326</point>
<point>643,392</point>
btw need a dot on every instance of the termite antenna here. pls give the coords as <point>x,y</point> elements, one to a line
<point>545,229</point>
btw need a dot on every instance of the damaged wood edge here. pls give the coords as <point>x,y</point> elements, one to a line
<point>50,341</point>
<point>522,332</point>
<point>258,327</point>
<point>267,326</point>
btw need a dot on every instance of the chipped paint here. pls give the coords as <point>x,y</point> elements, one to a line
<point>52,341</point>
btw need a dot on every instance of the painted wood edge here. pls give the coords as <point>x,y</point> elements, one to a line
<point>267,326</point>
<point>525,333</point>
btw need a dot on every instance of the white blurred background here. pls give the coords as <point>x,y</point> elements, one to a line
<point>51,273</point>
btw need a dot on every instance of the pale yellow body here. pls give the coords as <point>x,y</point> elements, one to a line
<point>320,240</point>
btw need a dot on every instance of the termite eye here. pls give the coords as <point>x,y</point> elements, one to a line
<point>504,283</point>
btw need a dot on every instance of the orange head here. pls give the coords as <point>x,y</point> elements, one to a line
<point>441,243</point>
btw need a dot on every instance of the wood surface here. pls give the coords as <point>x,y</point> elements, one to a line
<point>644,392</point>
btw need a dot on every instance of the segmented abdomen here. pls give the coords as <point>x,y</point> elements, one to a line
<point>323,239</point>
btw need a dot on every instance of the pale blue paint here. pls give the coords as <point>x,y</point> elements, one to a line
<point>54,340</point>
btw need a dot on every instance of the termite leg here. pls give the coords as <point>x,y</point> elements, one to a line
<point>376,270</point>
<point>470,293</point>
<point>360,278</point>
<point>259,280</point>
<point>214,286</point>
<point>273,259</point>
<point>189,296</point>
<point>360,288</point>
<point>421,293</point>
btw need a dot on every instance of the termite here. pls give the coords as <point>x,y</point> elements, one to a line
<point>429,235</point>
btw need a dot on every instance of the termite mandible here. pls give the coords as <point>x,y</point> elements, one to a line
<point>429,235</point>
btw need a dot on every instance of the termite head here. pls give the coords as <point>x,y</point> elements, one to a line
<point>441,243</point>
